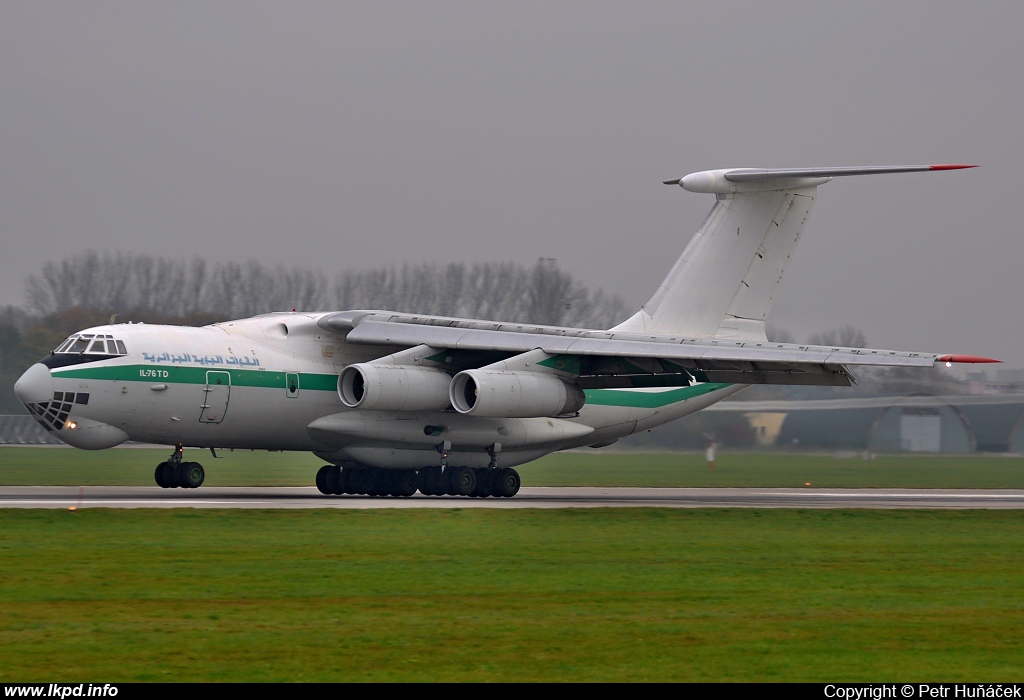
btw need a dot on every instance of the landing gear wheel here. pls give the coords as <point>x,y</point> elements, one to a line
<point>161,481</point>
<point>484,479</point>
<point>506,483</point>
<point>446,482</point>
<point>192,475</point>
<point>170,481</point>
<point>430,481</point>
<point>343,475</point>
<point>463,481</point>
<point>377,482</point>
<point>359,481</point>
<point>321,479</point>
<point>390,487</point>
<point>177,474</point>
<point>406,483</point>
<point>331,478</point>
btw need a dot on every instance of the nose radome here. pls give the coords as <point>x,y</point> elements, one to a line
<point>35,386</point>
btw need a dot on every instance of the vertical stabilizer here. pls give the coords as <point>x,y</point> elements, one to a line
<point>724,283</point>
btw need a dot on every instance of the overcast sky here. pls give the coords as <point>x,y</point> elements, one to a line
<point>348,134</point>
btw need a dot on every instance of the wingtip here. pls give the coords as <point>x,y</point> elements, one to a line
<point>951,166</point>
<point>967,359</point>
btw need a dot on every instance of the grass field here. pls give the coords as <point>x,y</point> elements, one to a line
<point>134,466</point>
<point>469,595</point>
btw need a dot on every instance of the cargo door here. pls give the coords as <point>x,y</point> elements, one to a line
<point>216,395</point>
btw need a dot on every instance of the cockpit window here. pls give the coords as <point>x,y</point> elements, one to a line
<point>91,344</point>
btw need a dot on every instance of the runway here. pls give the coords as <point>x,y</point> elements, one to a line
<point>529,497</point>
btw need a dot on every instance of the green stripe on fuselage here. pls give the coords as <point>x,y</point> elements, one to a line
<point>171,374</point>
<point>648,399</point>
<point>309,381</point>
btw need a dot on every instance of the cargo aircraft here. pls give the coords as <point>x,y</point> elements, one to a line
<point>397,403</point>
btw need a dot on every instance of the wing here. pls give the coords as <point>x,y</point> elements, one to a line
<point>609,359</point>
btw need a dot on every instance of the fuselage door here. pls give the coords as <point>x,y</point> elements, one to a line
<point>216,395</point>
<point>291,385</point>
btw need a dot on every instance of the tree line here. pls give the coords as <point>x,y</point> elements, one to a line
<point>124,283</point>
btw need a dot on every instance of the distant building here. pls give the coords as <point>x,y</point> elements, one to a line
<point>946,424</point>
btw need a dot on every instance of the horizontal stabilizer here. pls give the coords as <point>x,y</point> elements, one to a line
<point>735,180</point>
<point>754,174</point>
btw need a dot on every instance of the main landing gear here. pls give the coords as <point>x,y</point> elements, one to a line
<point>333,480</point>
<point>175,473</point>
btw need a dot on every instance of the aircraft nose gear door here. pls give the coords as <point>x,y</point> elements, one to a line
<point>217,393</point>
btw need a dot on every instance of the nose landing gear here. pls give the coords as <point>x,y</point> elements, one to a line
<point>176,473</point>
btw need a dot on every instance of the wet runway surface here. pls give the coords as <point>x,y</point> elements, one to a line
<point>528,497</point>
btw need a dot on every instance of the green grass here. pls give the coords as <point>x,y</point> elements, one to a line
<point>469,595</point>
<point>767,470</point>
<point>131,466</point>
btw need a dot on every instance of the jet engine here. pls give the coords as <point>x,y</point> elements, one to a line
<point>394,387</point>
<point>504,394</point>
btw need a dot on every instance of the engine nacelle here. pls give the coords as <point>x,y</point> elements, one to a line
<point>503,394</point>
<point>394,387</point>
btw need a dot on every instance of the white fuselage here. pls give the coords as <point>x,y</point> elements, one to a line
<point>260,383</point>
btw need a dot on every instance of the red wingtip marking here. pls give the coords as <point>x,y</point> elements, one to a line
<point>950,166</point>
<point>970,359</point>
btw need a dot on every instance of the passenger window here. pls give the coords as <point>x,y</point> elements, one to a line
<point>120,347</point>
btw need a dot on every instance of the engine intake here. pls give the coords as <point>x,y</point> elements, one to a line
<point>503,394</point>
<point>393,387</point>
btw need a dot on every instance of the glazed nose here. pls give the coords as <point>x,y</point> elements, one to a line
<point>36,385</point>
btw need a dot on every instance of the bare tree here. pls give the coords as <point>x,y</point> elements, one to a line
<point>122,282</point>
<point>779,335</point>
<point>845,337</point>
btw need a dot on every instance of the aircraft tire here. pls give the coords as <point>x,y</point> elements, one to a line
<point>332,477</point>
<point>463,481</point>
<point>389,482</point>
<point>374,479</point>
<point>159,475</point>
<point>484,479</point>
<point>321,479</point>
<point>359,481</point>
<point>192,475</point>
<point>446,482</point>
<point>175,476</point>
<point>407,482</point>
<point>168,475</point>
<point>381,481</point>
<point>495,481</point>
<point>430,481</point>
<point>507,483</point>
<point>343,475</point>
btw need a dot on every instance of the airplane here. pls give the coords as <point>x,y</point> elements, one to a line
<point>397,403</point>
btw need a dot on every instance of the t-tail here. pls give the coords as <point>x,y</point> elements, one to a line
<point>724,283</point>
